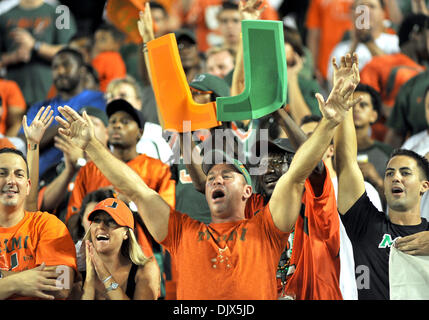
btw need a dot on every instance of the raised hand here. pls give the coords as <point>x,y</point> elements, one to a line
<point>34,133</point>
<point>145,24</point>
<point>348,70</point>
<point>79,129</point>
<point>339,102</point>
<point>251,9</point>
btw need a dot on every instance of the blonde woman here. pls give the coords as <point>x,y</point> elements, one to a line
<point>116,268</point>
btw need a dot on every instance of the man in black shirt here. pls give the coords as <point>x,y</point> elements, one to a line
<point>371,232</point>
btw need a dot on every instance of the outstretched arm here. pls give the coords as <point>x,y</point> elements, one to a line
<point>249,10</point>
<point>154,211</point>
<point>145,26</point>
<point>290,187</point>
<point>33,135</point>
<point>350,179</point>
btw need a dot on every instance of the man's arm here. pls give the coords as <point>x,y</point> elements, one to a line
<point>298,107</point>
<point>57,189</point>
<point>290,186</point>
<point>33,135</point>
<point>350,179</point>
<point>154,211</point>
<point>13,121</point>
<point>145,27</point>
<point>249,10</point>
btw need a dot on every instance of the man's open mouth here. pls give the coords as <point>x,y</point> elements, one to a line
<point>218,194</point>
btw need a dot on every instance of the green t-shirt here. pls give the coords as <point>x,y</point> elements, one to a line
<point>35,78</point>
<point>408,114</point>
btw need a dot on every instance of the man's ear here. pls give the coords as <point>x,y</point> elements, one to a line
<point>424,187</point>
<point>248,190</point>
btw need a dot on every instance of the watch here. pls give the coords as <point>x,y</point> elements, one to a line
<point>113,286</point>
<point>81,162</point>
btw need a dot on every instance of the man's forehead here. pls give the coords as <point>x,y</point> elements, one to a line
<point>122,115</point>
<point>12,161</point>
<point>222,167</point>
<point>401,161</point>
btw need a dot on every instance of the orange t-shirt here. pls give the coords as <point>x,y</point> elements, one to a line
<point>333,19</point>
<point>154,173</point>
<point>39,237</point>
<point>387,73</point>
<point>316,247</point>
<point>5,143</point>
<point>109,65</point>
<point>225,261</point>
<point>11,96</point>
<point>203,13</point>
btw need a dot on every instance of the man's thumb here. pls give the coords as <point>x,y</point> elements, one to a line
<point>320,100</point>
<point>41,267</point>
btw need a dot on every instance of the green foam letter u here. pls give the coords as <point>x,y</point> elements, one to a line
<point>265,73</point>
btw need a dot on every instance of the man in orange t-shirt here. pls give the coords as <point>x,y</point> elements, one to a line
<point>12,107</point>
<point>309,268</point>
<point>124,129</point>
<point>387,73</point>
<point>233,257</point>
<point>37,254</point>
<point>327,21</point>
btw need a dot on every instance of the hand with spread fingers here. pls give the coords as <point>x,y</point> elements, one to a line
<point>79,130</point>
<point>348,69</point>
<point>338,103</point>
<point>34,133</point>
<point>251,9</point>
<point>416,244</point>
<point>145,24</point>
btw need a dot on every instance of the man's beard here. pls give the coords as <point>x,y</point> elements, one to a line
<point>69,86</point>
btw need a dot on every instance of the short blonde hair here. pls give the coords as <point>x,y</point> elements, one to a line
<point>217,49</point>
<point>127,80</point>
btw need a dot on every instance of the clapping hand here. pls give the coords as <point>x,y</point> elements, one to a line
<point>79,130</point>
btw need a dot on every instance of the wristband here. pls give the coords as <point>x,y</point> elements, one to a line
<point>31,146</point>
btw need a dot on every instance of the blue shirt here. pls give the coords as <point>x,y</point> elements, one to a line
<point>52,156</point>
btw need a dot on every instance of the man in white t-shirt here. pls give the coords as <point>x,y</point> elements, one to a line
<point>419,143</point>
<point>367,38</point>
